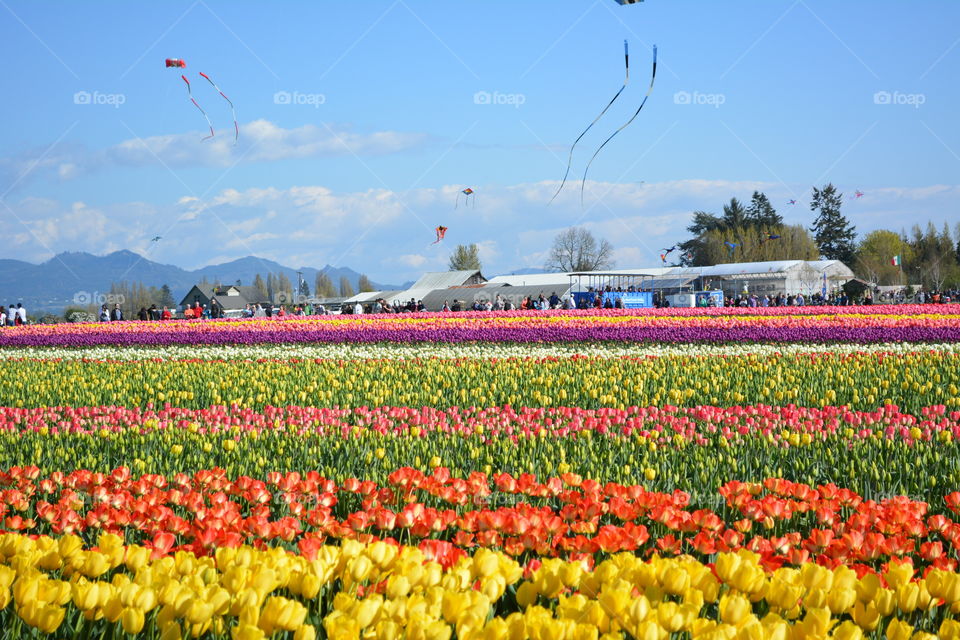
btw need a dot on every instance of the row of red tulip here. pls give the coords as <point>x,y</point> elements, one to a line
<point>567,516</point>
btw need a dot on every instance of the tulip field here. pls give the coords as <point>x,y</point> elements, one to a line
<point>780,473</point>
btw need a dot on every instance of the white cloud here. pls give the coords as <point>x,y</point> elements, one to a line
<point>390,235</point>
<point>260,141</point>
<point>412,260</point>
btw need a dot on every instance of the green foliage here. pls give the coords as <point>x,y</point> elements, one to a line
<point>466,257</point>
<point>748,227</point>
<point>875,253</point>
<point>754,245</point>
<point>833,232</point>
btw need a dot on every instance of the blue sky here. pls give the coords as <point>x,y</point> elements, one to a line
<point>383,126</point>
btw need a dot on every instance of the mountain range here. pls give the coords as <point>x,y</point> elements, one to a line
<point>72,277</point>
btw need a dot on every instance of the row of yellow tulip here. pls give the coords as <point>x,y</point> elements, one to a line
<point>861,381</point>
<point>55,586</point>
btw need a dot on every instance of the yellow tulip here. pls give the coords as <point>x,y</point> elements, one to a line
<point>907,597</point>
<point>305,632</point>
<point>281,613</point>
<point>95,565</point>
<point>841,600</point>
<point>366,611</point>
<point>734,609</point>
<point>132,620</point>
<point>866,615</point>
<point>526,594</point>
<point>899,630</point>
<point>897,574</point>
<point>247,632</point>
<point>86,595</point>
<point>949,630</point>
<point>675,581</point>
<point>674,617</point>
<point>847,631</point>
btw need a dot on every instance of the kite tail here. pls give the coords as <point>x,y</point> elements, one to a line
<point>626,60</point>
<point>197,105</point>
<point>653,76</point>
<point>233,111</point>
<point>626,81</point>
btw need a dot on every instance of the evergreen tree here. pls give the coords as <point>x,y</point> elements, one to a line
<point>364,284</point>
<point>693,251</point>
<point>734,215</point>
<point>760,213</point>
<point>834,234</point>
<point>346,289</point>
<point>166,297</point>
<point>304,289</point>
<point>466,257</point>
<point>934,257</point>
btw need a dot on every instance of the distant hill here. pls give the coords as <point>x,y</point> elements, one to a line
<point>56,283</point>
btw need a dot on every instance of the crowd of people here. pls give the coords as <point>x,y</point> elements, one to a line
<point>13,316</point>
<point>16,314</point>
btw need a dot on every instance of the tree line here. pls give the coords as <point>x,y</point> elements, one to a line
<point>756,232</point>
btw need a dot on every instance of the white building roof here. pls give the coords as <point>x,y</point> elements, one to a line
<point>831,267</point>
<point>738,268</point>
<point>442,280</point>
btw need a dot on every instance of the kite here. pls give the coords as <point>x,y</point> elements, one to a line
<point>155,239</point>
<point>236,127</point>
<point>791,202</point>
<point>197,105</point>
<point>176,62</point>
<point>731,246</point>
<point>466,198</point>
<point>623,2</point>
<point>441,231</point>
<point>663,258</point>
<point>653,76</point>
<point>626,80</point>
<point>666,252</point>
<point>858,194</point>
<point>770,236</point>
